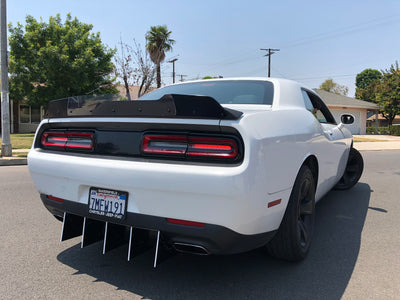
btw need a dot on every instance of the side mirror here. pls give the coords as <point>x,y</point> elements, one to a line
<point>347,119</point>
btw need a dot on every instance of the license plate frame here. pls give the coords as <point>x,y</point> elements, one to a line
<point>111,204</point>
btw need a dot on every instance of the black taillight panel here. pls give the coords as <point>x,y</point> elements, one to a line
<point>179,143</point>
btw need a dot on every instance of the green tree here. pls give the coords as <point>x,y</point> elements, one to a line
<point>330,86</point>
<point>158,42</point>
<point>56,60</point>
<point>366,82</point>
<point>387,93</point>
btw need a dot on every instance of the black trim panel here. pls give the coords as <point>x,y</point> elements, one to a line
<point>125,139</point>
<point>216,239</point>
<point>169,106</point>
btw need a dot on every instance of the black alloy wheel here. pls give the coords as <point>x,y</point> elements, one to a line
<point>353,171</point>
<point>293,239</point>
<point>305,217</point>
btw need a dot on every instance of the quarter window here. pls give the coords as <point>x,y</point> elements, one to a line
<point>317,107</point>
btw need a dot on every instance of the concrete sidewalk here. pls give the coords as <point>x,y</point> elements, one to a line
<point>14,160</point>
<point>380,142</point>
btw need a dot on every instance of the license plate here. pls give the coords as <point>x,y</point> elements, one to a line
<point>107,203</point>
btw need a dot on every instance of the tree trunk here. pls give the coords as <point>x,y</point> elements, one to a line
<point>141,87</point>
<point>128,94</point>
<point>158,75</point>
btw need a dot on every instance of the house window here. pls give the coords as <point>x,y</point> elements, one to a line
<point>35,115</point>
<point>24,114</point>
<point>29,115</point>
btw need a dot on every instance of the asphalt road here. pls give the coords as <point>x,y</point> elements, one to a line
<point>355,252</point>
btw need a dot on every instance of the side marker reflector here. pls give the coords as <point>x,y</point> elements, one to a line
<point>274,203</point>
<point>55,199</point>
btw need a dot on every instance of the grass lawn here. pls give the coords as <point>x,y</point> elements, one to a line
<point>360,139</point>
<point>21,140</point>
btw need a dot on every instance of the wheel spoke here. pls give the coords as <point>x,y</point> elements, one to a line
<point>306,208</point>
<point>304,189</point>
<point>346,178</point>
<point>303,231</point>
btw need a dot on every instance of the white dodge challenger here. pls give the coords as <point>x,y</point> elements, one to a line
<point>208,167</point>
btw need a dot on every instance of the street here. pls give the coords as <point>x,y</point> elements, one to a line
<point>355,252</point>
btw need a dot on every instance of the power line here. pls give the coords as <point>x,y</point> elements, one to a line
<point>321,77</point>
<point>270,52</point>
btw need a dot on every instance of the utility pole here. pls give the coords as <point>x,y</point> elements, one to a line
<point>181,77</point>
<point>173,68</point>
<point>6,149</point>
<point>270,52</point>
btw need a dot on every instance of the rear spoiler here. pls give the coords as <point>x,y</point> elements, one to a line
<point>169,106</point>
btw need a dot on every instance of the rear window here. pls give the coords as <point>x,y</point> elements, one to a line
<point>225,92</point>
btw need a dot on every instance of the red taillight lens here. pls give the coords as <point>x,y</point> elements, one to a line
<point>212,147</point>
<point>190,146</point>
<point>54,139</point>
<point>68,140</point>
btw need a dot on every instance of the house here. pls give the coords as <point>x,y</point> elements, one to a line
<point>133,91</point>
<point>382,121</point>
<point>25,118</point>
<point>340,105</point>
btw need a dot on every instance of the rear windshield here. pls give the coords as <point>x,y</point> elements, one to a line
<point>225,92</point>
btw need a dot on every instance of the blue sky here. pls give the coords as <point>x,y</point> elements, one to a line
<point>317,39</point>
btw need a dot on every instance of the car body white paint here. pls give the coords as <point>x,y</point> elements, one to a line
<point>277,140</point>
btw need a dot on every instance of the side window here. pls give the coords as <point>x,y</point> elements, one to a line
<point>307,101</point>
<point>317,107</point>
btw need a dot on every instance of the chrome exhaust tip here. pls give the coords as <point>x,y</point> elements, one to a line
<point>190,248</point>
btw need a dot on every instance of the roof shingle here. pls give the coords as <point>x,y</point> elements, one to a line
<point>334,100</point>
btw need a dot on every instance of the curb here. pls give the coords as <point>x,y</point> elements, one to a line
<point>13,161</point>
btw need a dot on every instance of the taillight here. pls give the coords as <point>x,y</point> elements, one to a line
<point>68,140</point>
<point>163,144</point>
<point>212,147</point>
<point>190,146</point>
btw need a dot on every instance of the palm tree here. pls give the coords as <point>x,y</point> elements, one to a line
<point>158,42</point>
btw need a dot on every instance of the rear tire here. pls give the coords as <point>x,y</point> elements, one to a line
<point>353,171</point>
<point>293,239</point>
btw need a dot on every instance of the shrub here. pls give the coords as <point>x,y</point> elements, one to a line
<point>393,130</point>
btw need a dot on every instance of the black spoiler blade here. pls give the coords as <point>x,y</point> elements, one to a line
<point>169,106</point>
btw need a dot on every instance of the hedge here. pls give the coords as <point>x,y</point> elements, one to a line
<point>393,130</point>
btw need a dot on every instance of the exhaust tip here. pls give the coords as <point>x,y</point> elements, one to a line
<point>190,248</point>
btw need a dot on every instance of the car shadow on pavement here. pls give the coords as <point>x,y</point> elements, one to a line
<point>323,275</point>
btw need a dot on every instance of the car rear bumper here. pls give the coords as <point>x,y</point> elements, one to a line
<point>231,197</point>
<point>214,239</point>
